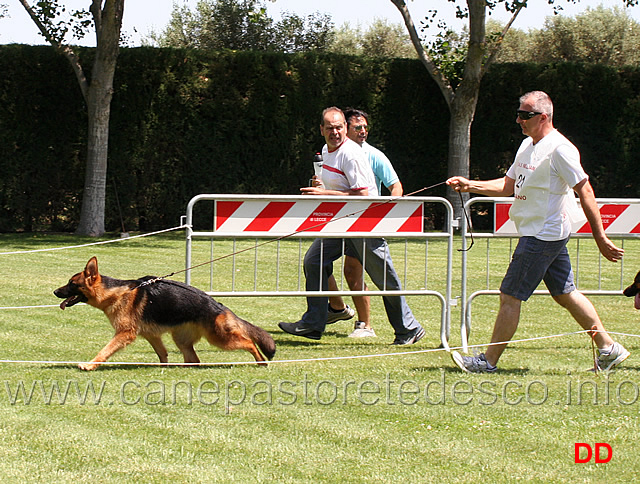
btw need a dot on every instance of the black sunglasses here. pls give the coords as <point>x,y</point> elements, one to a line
<point>526,114</point>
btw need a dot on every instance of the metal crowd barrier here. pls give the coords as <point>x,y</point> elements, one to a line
<point>621,220</point>
<point>265,236</point>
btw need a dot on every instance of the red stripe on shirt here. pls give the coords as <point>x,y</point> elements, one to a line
<point>335,170</point>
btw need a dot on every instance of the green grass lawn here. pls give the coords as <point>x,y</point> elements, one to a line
<point>390,418</point>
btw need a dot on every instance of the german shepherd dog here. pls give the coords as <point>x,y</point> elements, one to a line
<point>163,306</point>
<point>634,291</point>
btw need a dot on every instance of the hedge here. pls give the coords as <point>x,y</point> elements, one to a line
<point>188,122</point>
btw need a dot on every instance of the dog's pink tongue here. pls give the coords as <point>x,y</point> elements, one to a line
<point>637,301</point>
<point>63,304</point>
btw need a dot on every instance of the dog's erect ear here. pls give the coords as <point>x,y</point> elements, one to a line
<point>634,288</point>
<point>91,269</point>
<point>634,291</point>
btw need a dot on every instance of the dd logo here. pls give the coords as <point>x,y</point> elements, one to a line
<point>581,458</point>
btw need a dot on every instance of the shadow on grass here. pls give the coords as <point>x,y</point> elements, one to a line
<point>453,369</point>
<point>301,340</point>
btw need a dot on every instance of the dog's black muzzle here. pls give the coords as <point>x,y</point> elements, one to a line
<point>70,294</point>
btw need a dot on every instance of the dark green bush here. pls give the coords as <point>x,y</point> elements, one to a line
<point>189,122</point>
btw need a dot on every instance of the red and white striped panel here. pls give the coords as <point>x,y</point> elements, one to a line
<point>617,218</point>
<point>313,216</point>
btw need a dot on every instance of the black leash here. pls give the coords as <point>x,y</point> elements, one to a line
<point>282,237</point>
<point>468,219</point>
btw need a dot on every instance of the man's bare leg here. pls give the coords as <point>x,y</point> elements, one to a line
<point>505,327</point>
<point>353,273</point>
<point>336,302</point>
<point>586,315</point>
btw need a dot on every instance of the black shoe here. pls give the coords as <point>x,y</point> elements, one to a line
<point>410,338</point>
<point>297,329</point>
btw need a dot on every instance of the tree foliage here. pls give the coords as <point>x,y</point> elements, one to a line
<point>606,36</point>
<point>449,51</point>
<point>380,39</point>
<point>243,25</point>
<point>246,25</point>
<point>599,35</point>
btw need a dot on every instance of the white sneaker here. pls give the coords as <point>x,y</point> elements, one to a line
<point>607,361</point>
<point>361,332</point>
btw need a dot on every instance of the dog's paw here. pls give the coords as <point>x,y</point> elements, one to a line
<point>88,366</point>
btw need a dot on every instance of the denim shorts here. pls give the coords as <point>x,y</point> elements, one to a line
<point>534,261</point>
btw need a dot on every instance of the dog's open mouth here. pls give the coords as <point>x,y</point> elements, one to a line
<point>70,301</point>
<point>637,301</point>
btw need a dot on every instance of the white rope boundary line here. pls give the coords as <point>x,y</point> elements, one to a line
<point>305,360</point>
<point>30,307</point>
<point>123,239</point>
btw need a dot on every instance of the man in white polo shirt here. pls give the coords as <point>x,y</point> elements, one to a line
<point>346,171</point>
<point>385,174</point>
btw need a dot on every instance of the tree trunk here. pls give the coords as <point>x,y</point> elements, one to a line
<point>462,112</point>
<point>463,106</point>
<point>95,180</point>
<point>108,22</point>
<point>463,100</point>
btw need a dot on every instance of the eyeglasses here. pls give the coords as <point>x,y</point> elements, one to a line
<point>526,114</point>
<point>360,127</point>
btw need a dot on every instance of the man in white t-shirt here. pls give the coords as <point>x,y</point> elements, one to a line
<point>346,171</point>
<point>545,174</point>
<point>384,173</point>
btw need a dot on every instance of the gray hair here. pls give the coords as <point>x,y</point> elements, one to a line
<point>540,101</point>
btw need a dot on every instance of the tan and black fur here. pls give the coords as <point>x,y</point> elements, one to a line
<point>163,306</point>
<point>634,291</point>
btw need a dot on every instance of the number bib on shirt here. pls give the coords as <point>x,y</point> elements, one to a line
<point>531,193</point>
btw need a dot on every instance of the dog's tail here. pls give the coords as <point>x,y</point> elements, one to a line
<point>261,338</point>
